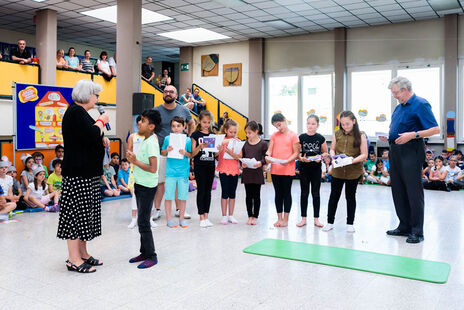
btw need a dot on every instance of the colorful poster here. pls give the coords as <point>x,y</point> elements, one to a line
<point>39,110</point>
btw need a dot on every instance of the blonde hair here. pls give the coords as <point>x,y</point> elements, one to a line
<point>228,123</point>
<point>203,114</point>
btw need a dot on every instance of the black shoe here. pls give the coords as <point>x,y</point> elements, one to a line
<point>413,238</point>
<point>397,232</point>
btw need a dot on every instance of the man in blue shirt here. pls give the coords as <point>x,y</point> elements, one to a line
<point>411,121</point>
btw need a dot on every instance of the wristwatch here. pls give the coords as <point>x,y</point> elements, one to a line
<point>417,135</point>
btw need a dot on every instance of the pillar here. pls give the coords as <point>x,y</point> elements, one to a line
<point>340,72</point>
<point>451,78</point>
<point>185,68</point>
<point>255,76</point>
<point>128,40</point>
<point>46,45</point>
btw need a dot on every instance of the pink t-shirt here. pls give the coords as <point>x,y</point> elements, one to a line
<point>283,149</point>
<point>227,166</point>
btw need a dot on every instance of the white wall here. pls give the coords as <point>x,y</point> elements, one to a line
<point>234,96</point>
<point>12,37</point>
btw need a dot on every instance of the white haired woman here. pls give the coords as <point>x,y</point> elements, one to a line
<point>80,210</point>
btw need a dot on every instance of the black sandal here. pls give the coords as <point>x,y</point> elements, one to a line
<point>92,261</point>
<point>84,268</point>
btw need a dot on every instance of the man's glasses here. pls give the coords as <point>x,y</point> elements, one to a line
<point>169,91</point>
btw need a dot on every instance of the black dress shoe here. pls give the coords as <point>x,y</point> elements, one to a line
<point>397,232</point>
<point>413,238</point>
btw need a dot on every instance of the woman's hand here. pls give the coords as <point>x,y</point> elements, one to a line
<point>105,118</point>
<point>131,157</point>
<point>106,141</point>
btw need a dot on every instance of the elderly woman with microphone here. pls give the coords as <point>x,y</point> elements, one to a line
<point>80,209</point>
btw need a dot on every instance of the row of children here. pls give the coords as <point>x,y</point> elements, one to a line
<point>442,174</point>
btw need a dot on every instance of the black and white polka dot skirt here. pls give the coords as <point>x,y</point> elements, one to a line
<point>80,208</point>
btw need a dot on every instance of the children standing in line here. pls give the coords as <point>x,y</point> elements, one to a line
<point>284,146</point>
<point>204,166</point>
<point>229,170</point>
<point>37,193</point>
<point>123,176</point>
<point>253,177</point>
<point>146,182</point>
<point>349,141</point>
<point>55,179</point>
<point>177,174</point>
<point>312,145</point>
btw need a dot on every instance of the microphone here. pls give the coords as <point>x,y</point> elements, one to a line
<point>102,110</point>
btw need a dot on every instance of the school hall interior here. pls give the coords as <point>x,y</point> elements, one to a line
<point>246,60</point>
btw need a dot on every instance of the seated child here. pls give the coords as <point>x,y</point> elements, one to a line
<point>368,164</point>
<point>453,173</point>
<point>326,169</point>
<point>115,162</point>
<point>17,191</point>
<point>426,171</point>
<point>379,174</point>
<point>38,160</point>
<point>5,207</point>
<point>428,156</point>
<point>27,176</point>
<point>55,179</point>
<point>59,152</point>
<point>108,185</point>
<point>37,195</point>
<point>437,176</point>
<point>123,176</point>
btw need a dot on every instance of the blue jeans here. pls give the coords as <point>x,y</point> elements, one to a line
<point>144,197</point>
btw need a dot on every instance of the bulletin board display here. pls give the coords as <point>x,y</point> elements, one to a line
<point>39,111</point>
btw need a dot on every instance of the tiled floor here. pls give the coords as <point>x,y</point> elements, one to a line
<point>206,268</point>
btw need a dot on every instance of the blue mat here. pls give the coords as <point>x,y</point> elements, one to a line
<point>33,210</point>
<point>116,198</point>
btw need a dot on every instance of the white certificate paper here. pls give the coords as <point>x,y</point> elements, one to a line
<point>276,161</point>
<point>217,142</point>
<point>235,146</point>
<point>250,162</point>
<point>177,141</point>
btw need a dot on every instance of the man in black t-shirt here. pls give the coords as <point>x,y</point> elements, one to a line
<point>20,54</point>
<point>148,73</point>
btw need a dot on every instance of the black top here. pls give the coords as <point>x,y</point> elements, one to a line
<point>258,152</point>
<point>202,158</point>
<point>25,54</point>
<point>147,70</point>
<point>83,142</point>
<point>311,146</point>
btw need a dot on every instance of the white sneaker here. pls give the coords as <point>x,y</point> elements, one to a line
<point>224,220</point>
<point>156,215</point>
<point>177,213</point>
<point>327,227</point>
<point>232,220</point>
<point>203,224</point>
<point>186,215</point>
<point>153,224</point>
<point>208,223</point>
<point>132,224</point>
<point>350,228</point>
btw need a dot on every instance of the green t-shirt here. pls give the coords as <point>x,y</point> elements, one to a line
<point>147,148</point>
<point>55,181</point>
<point>368,164</point>
<point>46,171</point>
<point>108,173</point>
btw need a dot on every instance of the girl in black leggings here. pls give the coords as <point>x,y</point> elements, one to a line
<point>313,148</point>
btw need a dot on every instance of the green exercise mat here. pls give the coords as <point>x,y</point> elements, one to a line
<point>392,265</point>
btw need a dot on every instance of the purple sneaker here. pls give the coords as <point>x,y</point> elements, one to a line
<point>136,259</point>
<point>148,263</point>
<point>51,208</point>
<point>57,207</point>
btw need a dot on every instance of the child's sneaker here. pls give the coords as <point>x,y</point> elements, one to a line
<point>171,223</point>
<point>157,214</point>
<point>133,223</point>
<point>187,216</point>
<point>57,207</point>
<point>327,227</point>
<point>208,223</point>
<point>153,224</point>
<point>350,228</point>
<point>183,223</point>
<point>203,224</point>
<point>232,220</point>
<point>224,220</point>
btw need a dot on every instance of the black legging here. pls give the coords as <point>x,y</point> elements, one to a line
<point>204,175</point>
<point>310,173</point>
<point>283,192</point>
<point>350,194</point>
<point>253,199</point>
<point>228,185</point>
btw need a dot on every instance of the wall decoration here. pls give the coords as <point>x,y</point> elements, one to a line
<point>381,118</point>
<point>450,131</point>
<point>311,112</point>
<point>232,75</point>
<point>323,119</point>
<point>210,65</point>
<point>362,113</point>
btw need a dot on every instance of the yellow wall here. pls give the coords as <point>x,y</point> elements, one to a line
<point>241,120</point>
<point>149,89</point>
<point>70,78</point>
<point>211,102</point>
<point>12,72</point>
<point>108,94</point>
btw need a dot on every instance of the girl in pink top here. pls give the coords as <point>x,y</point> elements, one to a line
<point>228,172</point>
<point>284,146</point>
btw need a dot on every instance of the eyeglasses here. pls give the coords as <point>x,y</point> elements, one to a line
<point>394,93</point>
<point>169,91</point>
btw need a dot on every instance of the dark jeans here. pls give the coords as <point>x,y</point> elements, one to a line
<point>144,197</point>
<point>283,192</point>
<point>253,199</point>
<point>310,174</point>
<point>204,175</point>
<point>436,185</point>
<point>228,185</point>
<point>350,195</point>
<point>406,183</point>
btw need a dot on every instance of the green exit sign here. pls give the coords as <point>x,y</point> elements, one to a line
<point>184,67</point>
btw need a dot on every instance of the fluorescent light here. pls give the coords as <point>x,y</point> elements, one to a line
<point>110,14</point>
<point>194,35</point>
<point>39,0</point>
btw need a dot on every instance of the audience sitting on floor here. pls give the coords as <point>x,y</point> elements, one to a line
<point>123,176</point>
<point>368,164</point>
<point>386,161</point>
<point>115,162</point>
<point>454,177</point>
<point>437,176</point>
<point>379,174</point>
<point>55,179</point>
<point>326,169</point>
<point>108,184</point>
<point>61,63</point>
<point>428,156</point>
<point>20,54</point>
<point>59,154</point>
<point>39,160</point>
<point>73,60</point>
<point>104,67</point>
<point>5,207</point>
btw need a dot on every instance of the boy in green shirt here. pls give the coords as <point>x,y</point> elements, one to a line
<point>55,179</point>
<point>146,182</point>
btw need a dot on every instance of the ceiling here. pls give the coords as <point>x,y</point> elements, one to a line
<point>240,20</point>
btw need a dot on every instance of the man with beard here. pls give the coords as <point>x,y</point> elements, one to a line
<point>168,110</point>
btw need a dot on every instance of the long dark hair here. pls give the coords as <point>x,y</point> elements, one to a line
<point>255,126</point>
<point>356,132</point>
<point>36,183</point>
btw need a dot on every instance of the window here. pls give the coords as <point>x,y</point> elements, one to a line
<point>371,100</point>
<point>317,99</point>
<point>426,84</point>
<point>283,98</point>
